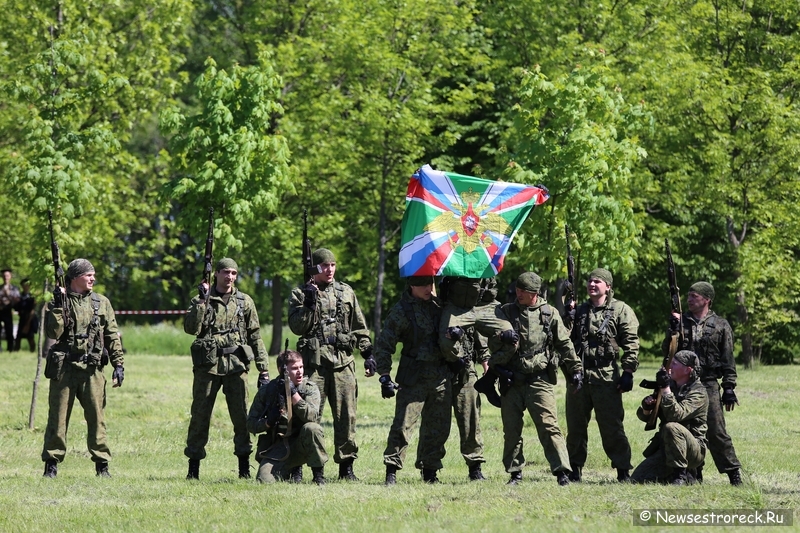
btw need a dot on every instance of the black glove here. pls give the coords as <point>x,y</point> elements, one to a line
<point>625,382</point>
<point>274,413</point>
<point>455,333</point>
<point>458,365</point>
<point>729,399</point>
<point>662,378</point>
<point>648,403</point>
<point>674,324</point>
<point>387,386</point>
<point>505,378</point>
<point>370,365</point>
<point>577,381</point>
<point>509,336</point>
<point>292,388</point>
<point>119,374</point>
<point>58,297</point>
<point>202,291</point>
<point>310,295</point>
<point>263,379</point>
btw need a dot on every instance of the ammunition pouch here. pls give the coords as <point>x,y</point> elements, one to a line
<point>204,351</point>
<point>531,362</point>
<point>345,342</point>
<point>309,348</point>
<point>54,364</point>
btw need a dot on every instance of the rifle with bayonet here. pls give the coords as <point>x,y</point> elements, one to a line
<point>676,339</point>
<point>308,263</point>
<point>59,295</point>
<point>569,287</point>
<point>209,255</point>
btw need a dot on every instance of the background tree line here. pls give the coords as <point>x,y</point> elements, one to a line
<point>678,120</point>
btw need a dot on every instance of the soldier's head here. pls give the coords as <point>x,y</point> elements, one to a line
<point>599,283</point>
<point>683,367</point>
<point>26,284</point>
<point>225,275</point>
<point>325,262</point>
<point>292,362</point>
<point>699,298</point>
<point>527,288</point>
<point>80,276</point>
<point>421,287</point>
<point>7,275</point>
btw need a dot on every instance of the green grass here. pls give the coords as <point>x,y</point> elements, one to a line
<point>148,417</point>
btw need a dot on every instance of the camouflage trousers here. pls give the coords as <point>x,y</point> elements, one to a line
<point>599,393</point>
<point>677,448</point>
<point>204,395</point>
<point>88,386</point>
<point>340,388</point>
<point>467,411</point>
<point>537,396</point>
<point>488,320</point>
<point>429,398</point>
<point>720,444</point>
<point>305,447</point>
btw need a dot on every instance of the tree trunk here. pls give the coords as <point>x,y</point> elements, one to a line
<point>747,337</point>
<point>377,314</point>
<point>277,317</point>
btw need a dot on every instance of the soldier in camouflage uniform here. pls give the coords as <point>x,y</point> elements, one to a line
<point>304,439</point>
<point>534,368</point>
<point>711,338</point>
<point>603,326</point>
<point>225,322</point>
<point>680,444</point>
<point>466,400</point>
<point>75,365</point>
<point>471,302</point>
<point>423,377</point>
<point>326,315</point>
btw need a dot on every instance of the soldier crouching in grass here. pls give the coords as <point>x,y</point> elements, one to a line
<point>291,434</point>
<point>82,323</point>
<point>680,444</point>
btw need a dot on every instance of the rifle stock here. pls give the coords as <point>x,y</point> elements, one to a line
<point>677,337</point>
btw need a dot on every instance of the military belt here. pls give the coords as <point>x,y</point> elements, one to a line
<point>593,362</point>
<point>529,378</point>
<point>227,351</point>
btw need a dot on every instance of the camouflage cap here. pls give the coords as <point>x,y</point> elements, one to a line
<point>528,281</point>
<point>419,281</point>
<point>227,262</point>
<point>79,267</point>
<point>687,358</point>
<point>322,255</point>
<point>704,289</point>
<point>602,274</point>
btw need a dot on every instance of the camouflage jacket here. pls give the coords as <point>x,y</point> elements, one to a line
<point>686,405</point>
<point>230,320</point>
<point>332,330</point>
<point>598,349</point>
<point>303,412</point>
<point>420,338</point>
<point>711,338</point>
<point>84,341</point>
<point>543,340</point>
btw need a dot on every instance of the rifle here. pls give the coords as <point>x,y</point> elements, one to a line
<point>59,296</point>
<point>569,287</point>
<point>677,336</point>
<point>308,262</point>
<point>209,256</point>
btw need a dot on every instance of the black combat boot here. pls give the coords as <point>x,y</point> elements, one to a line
<point>516,478</point>
<point>244,466</point>
<point>562,478</point>
<point>319,475</point>
<point>50,468</point>
<point>429,476</point>
<point>735,477</point>
<point>296,474</point>
<point>346,470</point>
<point>391,475</point>
<point>475,473</point>
<point>101,469</point>
<point>576,474</point>
<point>679,477</point>
<point>194,469</point>
<point>623,476</point>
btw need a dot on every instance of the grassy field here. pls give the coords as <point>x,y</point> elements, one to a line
<point>148,417</point>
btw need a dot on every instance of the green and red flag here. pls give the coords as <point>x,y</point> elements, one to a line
<point>456,225</point>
